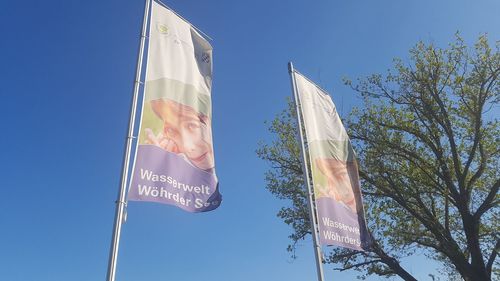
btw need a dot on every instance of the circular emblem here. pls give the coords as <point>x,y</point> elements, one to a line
<point>162,28</point>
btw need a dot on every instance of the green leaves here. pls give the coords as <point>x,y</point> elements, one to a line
<point>428,148</point>
<point>425,148</point>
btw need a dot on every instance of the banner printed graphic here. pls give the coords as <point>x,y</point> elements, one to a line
<point>174,161</point>
<point>334,170</point>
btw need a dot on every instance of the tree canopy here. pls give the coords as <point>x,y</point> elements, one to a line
<point>428,144</point>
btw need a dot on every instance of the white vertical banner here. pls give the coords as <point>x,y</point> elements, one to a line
<point>334,170</point>
<point>174,161</point>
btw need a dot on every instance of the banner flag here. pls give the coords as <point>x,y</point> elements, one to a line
<point>334,170</point>
<point>174,162</point>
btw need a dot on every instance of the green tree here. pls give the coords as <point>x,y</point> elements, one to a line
<point>428,144</point>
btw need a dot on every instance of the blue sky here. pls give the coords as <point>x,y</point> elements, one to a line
<point>67,71</point>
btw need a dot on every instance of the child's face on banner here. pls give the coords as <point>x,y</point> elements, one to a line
<point>340,184</point>
<point>187,131</point>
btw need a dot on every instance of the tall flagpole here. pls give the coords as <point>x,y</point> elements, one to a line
<point>120,202</point>
<point>312,212</point>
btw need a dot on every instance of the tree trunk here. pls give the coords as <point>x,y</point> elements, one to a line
<point>477,269</point>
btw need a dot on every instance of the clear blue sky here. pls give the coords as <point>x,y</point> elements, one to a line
<point>67,69</point>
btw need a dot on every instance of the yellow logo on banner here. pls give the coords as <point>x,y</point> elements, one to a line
<point>162,28</point>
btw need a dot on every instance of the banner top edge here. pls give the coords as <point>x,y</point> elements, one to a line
<point>311,81</point>
<point>188,22</point>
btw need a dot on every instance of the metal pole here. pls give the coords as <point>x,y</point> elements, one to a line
<point>312,212</point>
<point>120,202</point>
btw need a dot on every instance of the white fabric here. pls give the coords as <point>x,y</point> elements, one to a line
<point>321,119</point>
<point>177,51</point>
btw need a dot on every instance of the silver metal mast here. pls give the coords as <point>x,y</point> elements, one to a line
<point>305,170</point>
<point>120,202</point>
